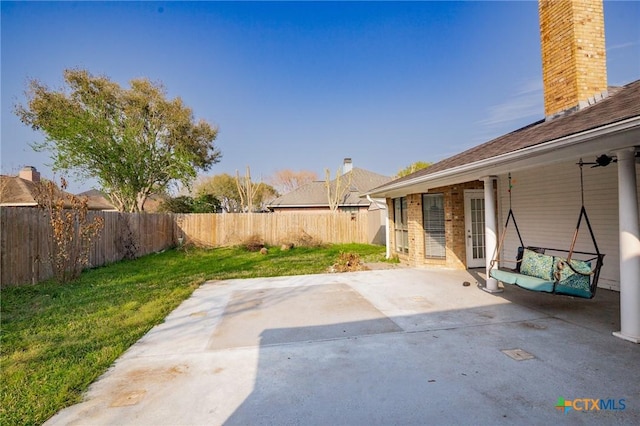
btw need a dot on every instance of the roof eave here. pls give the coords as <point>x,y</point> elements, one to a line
<point>604,139</point>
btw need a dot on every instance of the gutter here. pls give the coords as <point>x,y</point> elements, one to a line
<point>523,153</point>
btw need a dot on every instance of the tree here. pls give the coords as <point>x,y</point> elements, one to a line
<point>264,195</point>
<point>134,141</point>
<point>338,189</point>
<point>247,190</point>
<point>223,188</point>
<point>287,180</point>
<point>179,204</point>
<point>205,203</point>
<point>412,168</point>
<point>252,194</point>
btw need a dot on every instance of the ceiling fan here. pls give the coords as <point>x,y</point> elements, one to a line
<point>604,160</point>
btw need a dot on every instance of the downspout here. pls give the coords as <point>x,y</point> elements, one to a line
<point>387,232</point>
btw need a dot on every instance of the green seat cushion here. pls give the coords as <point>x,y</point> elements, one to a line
<point>537,265</point>
<point>534,283</point>
<point>524,281</point>
<point>504,276</point>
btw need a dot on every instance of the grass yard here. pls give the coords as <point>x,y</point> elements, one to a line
<point>57,339</point>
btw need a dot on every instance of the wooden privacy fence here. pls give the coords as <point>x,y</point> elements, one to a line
<point>24,248</point>
<point>213,230</point>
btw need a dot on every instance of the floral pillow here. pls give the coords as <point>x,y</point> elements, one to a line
<point>569,278</point>
<point>537,265</point>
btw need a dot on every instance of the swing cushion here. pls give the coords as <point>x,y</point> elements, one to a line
<point>571,283</point>
<point>524,281</point>
<point>537,265</point>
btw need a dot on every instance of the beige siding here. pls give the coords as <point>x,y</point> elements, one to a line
<point>546,205</point>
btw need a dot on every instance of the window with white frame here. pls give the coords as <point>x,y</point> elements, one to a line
<point>433,222</point>
<point>401,225</point>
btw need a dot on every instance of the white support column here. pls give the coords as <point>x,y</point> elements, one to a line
<point>490,233</point>
<point>629,247</point>
<point>387,230</point>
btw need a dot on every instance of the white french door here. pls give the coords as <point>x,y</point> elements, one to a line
<point>474,227</point>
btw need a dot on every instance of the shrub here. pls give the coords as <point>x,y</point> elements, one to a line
<point>348,262</point>
<point>71,231</point>
<point>301,239</point>
<point>253,243</point>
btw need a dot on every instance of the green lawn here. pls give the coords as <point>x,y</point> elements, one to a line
<point>57,339</point>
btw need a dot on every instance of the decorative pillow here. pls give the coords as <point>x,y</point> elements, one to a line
<point>521,253</point>
<point>569,278</point>
<point>537,265</point>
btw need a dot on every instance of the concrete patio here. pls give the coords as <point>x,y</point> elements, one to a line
<point>397,346</point>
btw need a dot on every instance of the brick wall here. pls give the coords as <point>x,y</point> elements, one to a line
<point>454,227</point>
<point>573,52</point>
<point>416,234</point>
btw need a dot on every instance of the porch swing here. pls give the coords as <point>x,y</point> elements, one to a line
<point>550,270</point>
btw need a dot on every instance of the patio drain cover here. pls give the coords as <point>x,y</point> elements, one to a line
<point>517,354</point>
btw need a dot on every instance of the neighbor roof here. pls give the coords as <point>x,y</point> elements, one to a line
<point>622,103</point>
<point>18,192</point>
<point>98,200</point>
<point>314,194</point>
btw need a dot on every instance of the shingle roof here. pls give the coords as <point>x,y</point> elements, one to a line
<point>15,191</point>
<point>622,103</point>
<point>97,200</point>
<point>18,192</point>
<point>314,194</point>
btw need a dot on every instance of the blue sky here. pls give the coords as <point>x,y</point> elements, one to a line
<point>303,85</point>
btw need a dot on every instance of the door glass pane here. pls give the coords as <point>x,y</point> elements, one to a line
<point>401,224</point>
<point>477,227</point>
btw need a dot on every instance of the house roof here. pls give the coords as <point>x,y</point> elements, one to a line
<point>18,192</point>
<point>97,200</point>
<point>314,194</point>
<point>621,104</point>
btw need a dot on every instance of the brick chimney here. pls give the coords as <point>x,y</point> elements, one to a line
<point>29,173</point>
<point>574,69</point>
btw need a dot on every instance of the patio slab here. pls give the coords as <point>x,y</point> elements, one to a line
<point>402,346</point>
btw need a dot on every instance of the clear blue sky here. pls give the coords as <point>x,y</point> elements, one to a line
<point>303,85</point>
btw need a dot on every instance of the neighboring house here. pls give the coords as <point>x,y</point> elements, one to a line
<point>98,198</point>
<point>313,197</point>
<point>452,213</point>
<point>22,191</point>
